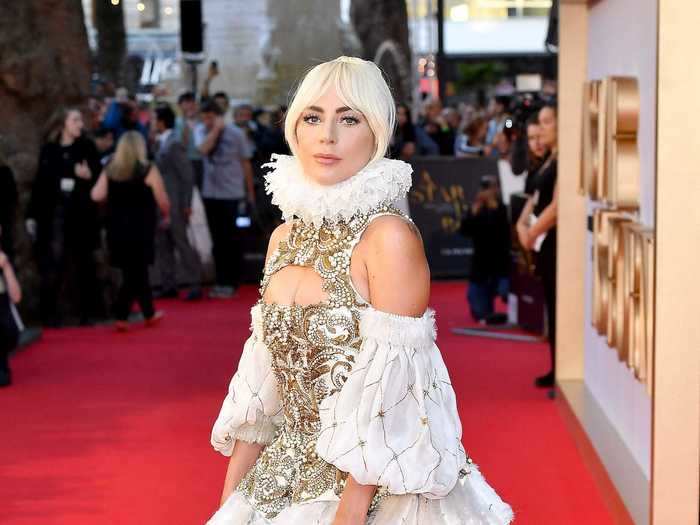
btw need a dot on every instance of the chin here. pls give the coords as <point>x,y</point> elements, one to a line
<point>328,176</point>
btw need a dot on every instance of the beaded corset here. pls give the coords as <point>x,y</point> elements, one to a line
<point>313,348</point>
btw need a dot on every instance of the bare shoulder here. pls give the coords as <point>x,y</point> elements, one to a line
<point>395,233</point>
<point>398,273</point>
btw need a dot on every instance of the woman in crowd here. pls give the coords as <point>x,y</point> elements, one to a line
<point>64,219</point>
<point>471,142</point>
<point>10,294</point>
<point>132,188</point>
<point>341,411</point>
<point>537,228</point>
<point>403,142</point>
<point>8,208</point>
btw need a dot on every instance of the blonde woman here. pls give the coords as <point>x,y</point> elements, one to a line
<point>341,411</point>
<point>132,189</point>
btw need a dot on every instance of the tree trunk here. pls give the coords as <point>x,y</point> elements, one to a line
<point>382,27</point>
<point>111,41</point>
<point>45,64</point>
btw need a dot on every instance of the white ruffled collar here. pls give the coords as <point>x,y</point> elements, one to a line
<point>381,182</point>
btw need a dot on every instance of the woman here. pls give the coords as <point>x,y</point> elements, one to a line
<point>64,218</point>
<point>537,229</point>
<point>403,142</point>
<point>132,188</point>
<point>471,141</point>
<point>341,411</point>
<point>10,326</point>
<point>8,208</point>
<point>536,153</point>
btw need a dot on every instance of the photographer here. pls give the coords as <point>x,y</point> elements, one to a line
<point>488,226</point>
<point>228,181</point>
<point>537,230</point>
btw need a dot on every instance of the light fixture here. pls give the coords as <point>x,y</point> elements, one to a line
<point>115,2</point>
<point>168,10</point>
<point>459,13</point>
<point>141,6</point>
<point>505,4</point>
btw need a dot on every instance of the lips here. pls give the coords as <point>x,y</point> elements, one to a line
<point>326,159</point>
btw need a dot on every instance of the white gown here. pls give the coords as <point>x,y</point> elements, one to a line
<point>338,387</point>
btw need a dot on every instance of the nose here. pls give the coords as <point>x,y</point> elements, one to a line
<point>328,136</point>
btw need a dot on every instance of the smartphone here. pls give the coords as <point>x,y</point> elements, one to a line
<point>214,67</point>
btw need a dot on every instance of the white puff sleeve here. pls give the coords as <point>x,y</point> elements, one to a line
<point>251,411</point>
<point>395,423</point>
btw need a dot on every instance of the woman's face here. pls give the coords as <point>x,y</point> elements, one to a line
<point>548,127</point>
<point>401,115</point>
<point>334,142</point>
<point>533,141</point>
<point>73,125</point>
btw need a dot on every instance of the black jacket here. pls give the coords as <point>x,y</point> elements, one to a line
<point>8,208</point>
<point>70,214</point>
<point>490,233</point>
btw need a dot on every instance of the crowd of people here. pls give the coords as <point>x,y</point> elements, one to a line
<point>119,177</point>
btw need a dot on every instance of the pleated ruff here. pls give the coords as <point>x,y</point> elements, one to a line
<point>471,502</point>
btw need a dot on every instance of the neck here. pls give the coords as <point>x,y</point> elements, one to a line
<point>66,139</point>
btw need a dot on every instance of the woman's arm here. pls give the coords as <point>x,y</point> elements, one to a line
<point>13,288</point>
<point>242,460</point>
<point>98,193</point>
<point>521,227</point>
<point>547,219</point>
<point>155,182</point>
<point>246,454</point>
<point>398,279</point>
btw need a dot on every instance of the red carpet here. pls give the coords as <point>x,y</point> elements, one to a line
<point>105,428</point>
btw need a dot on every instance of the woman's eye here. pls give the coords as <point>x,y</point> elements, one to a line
<point>312,119</point>
<point>350,120</point>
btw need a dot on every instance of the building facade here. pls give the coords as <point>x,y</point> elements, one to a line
<point>260,47</point>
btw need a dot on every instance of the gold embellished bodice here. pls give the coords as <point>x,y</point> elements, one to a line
<point>313,348</point>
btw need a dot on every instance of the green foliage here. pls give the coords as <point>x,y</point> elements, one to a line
<point>478,75</point>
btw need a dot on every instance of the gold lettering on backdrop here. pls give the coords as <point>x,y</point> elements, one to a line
<point>623,288</point>
<point>610,162</point>
<point>601,274</point>
<point>623,250</point>
<point>427,191</point>
<point>623,154</point>
<point>600,150</point>
<point>616,267</point>
<point>593,122</point>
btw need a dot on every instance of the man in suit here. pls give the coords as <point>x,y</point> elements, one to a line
<point>176,170</point>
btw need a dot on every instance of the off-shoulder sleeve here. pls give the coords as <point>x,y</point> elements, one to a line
<point>395,422</point>
<point>251,411</point>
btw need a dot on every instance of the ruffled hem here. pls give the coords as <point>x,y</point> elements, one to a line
<point>471,502</point>
<point>263,431</point>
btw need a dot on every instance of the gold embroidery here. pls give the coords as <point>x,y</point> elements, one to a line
<point>313,349</point>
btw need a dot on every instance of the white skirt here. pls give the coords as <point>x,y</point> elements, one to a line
<point>471,502</point>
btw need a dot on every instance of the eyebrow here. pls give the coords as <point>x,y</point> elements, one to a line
<point>339,110</point>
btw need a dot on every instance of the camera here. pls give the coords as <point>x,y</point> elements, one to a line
<point>486,182</point>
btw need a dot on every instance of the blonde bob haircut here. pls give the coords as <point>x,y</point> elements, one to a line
<point>360,85</point>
